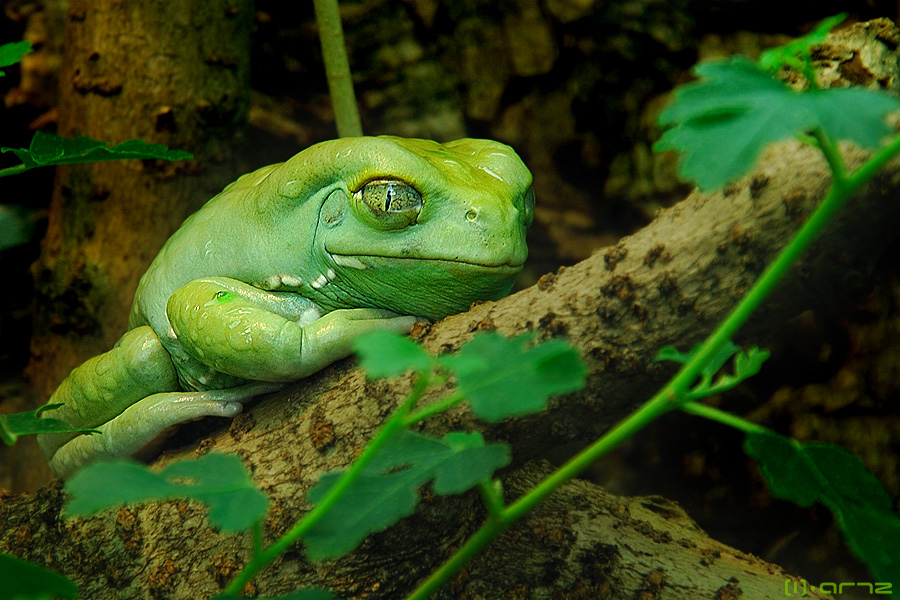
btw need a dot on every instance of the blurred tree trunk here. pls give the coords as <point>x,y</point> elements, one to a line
<point>169,73</point>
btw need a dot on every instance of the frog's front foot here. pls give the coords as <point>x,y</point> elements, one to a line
<point>237,329</point>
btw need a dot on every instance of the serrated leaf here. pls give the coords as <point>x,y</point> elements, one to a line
<point>22,580</point>
<point>749,362</point>
<point>388,488</point>
<point>746,363</point>
<point>15,425</point>
<point>719,359</point>
<point>220,481</point>
<point>673,354</point>
<point>48,149</point>
<point>712,366</point>
<point>389,354</point>
<point>721,123</point>
<point>503,377</point>
<point>12,53</point>
<point>457,462</point>
<point>471,462</point>
<point>774,58</point>
<point>807,473</point>
<point>373,503</point>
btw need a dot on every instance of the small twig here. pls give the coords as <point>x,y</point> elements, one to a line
<point>337,69</point>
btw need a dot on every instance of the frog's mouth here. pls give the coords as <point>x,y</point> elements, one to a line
<point>424,287</point>
<point>374,261</point>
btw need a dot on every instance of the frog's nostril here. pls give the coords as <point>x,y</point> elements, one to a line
<point>471,215</point>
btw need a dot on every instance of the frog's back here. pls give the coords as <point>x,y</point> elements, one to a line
<point>210,242</point>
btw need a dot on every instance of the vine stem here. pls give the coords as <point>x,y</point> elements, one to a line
<point>672,395</point>
<point>337,69</point>
<point>725,418</point>
<point>434,409</point>
<point>284,543</point>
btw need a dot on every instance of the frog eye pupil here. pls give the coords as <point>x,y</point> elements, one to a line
<point>390,203</point>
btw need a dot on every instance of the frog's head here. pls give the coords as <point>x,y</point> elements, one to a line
<point>418,227</point>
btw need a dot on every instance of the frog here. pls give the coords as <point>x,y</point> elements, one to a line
<point>274,278</point>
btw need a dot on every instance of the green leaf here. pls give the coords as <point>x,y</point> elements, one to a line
<point>218,480</point>
<point>371,504</point>
<point>14,425</point>
<point>671,353</point>
<point>388,488</point>
<point>721,123</point>
<point>389,354</point>
<point>23,580</point>
<point>746,363</point>
<point>458,462</point>
<point>49,149</point>
<point>796,53</point>
<point>503,378</point>
<point>806,473</point>
<point>12,53</point>
<point>674,354</point>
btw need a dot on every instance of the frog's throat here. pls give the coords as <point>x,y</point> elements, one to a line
<point>425,287</point>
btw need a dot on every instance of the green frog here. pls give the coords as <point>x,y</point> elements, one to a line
<point>275,277</point>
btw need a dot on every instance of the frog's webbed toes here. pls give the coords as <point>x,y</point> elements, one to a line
<point>144,424</point>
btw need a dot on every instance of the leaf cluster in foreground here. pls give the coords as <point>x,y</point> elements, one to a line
<point>388,489</point>
<point>816,472</point>
<point>721,123</point>
<point>218,480</point>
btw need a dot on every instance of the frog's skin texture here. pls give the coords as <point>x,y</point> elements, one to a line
<point>275,277</point>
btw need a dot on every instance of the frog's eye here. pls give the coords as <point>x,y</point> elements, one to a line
<point>529,207</point>
<point>391,204</point>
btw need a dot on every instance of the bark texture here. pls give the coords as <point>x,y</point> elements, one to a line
<point>175,74</point>
<point>670,283</point>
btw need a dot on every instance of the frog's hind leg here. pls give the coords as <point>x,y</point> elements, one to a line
<point>128,394</point>
<point>140,425</point>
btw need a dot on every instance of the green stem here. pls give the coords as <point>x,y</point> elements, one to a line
<point>720,416</point>
<point>434,409</point>
<point>491,529</point>
<point>492,493</point>
<point>676,390</point>
<point>868,169</point>
<point>497,523</point>
<point>392,426</point>
<point>836,197</point>
<point>13,170</point>
<point>337,68</point>
<point>832,157</point>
